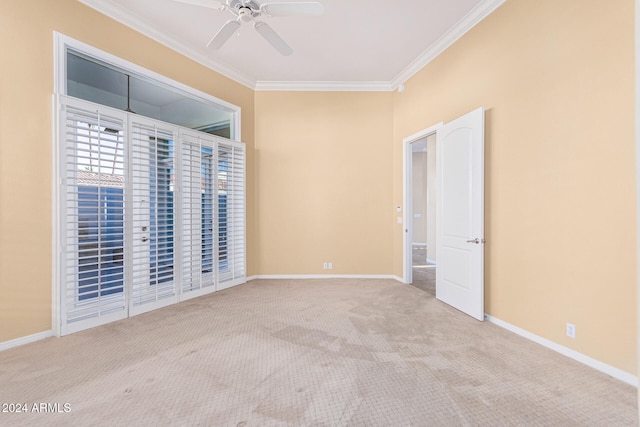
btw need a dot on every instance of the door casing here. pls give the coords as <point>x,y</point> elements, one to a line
<point>407,217</point>
<point>407,197</point>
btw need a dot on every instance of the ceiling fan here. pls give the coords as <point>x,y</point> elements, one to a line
<point>248,10</point>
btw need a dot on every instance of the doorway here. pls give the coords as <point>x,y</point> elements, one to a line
<point>460,211</point>
<point>419,218</point>
<point>423,213</point>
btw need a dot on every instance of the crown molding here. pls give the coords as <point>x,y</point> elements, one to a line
<point>324,86</point>
<point>134,23</point>
<point>477,14</point>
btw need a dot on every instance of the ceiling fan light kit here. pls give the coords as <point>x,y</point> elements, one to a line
<point>246,11</point>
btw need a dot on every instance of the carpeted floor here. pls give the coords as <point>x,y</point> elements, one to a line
<point>310,353</point>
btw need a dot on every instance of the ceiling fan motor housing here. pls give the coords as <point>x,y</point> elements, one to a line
<point>245,14</point>
<point>245,10</point>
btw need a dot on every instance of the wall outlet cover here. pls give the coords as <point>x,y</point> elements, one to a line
<point>571,330</point>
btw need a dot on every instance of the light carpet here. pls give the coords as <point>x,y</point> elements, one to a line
<point>308,353</point>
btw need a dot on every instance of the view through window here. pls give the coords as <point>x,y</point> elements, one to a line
<point>96,81</point>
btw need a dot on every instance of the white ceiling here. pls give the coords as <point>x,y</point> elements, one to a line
<point>354,45</point>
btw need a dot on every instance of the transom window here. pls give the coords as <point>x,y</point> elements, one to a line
<point>89,74</point>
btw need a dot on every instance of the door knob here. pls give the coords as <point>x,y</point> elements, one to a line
<point>476,241</point>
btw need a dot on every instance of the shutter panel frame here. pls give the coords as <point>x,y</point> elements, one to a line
<point>90,291</point>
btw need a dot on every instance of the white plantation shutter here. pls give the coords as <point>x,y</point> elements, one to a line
<point>199,206</point>
<point>152,177</point>
<point>92,157</point>
<point>213,205</point>
<point>231,214</point>
<point>150,213</point>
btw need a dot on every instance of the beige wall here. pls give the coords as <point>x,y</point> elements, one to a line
<point>556,80</point>
<point>324,182</point>
<point>26,88</point>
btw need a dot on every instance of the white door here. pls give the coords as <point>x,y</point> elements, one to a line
<point>460,230</point>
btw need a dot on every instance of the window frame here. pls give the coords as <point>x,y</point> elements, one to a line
<point>61,44</point>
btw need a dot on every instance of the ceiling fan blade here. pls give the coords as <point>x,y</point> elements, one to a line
<point>273,38</point>
<point>213,4</point>
<point>223,34</point>
<point>310,8</point>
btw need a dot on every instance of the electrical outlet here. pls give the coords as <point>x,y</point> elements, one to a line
<point>571,330</point>
<point>330,266</point>
<point>324,266</point>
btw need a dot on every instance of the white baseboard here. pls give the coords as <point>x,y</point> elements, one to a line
<point>325,276</point>
<point>322,276</point>
<point>25,340</point>
<point>586,360</point>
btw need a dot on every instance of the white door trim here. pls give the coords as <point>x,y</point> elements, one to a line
<point>637,137</point>
<point>407,197</point>
<point>56,246</point>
